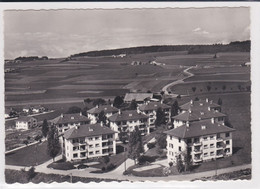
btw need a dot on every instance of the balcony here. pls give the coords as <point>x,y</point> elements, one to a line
<point>219,139</point>
<point>219,155</point>
<point>197,151</point>
<point>197,143</point>
<point>197,159</point>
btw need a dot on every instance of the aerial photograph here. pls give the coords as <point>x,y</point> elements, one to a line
<point>142,94</point>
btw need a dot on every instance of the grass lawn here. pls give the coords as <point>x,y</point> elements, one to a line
<point>13,176</point>
<point>28,156</point>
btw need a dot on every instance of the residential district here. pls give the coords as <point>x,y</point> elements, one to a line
<point>194,132</point>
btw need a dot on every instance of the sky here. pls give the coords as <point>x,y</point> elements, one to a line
<point>61,33</point>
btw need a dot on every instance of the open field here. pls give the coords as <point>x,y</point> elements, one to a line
<point>29,156</point>
<point>211,86</point>
<point>85,77</point>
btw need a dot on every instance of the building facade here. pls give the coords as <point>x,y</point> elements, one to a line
<point>93,113</point>
<point>150,109</point>
<point>201,140</point>
<point>88,141</point>
<point>25,123</point>
<point>126,122</point>
<point>67,121</point>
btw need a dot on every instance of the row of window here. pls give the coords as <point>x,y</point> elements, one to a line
<point>212,137</point>
<point>206,146</point>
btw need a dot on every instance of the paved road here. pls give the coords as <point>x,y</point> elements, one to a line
<point>117,173</point>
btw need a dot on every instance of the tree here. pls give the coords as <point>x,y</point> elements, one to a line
<point>98,101</point>
<point>53,143</point>
<point>123,136</point>
<point>187,159</point>
<point>196,99</point>
<point>26,142</point>
<point>160,117</point>
<point>102,117</point>
<point>45,128</point>
<point>135,145</point>
<point>88,100</point>
<point>31,173</point>
<point>162,93</point>
<point>193,89</point>
<point>180,165</point>
<point>118,101</point>
<point>133,105</point>
<point>106,160</point>
<point>175,108</point>
<point>227,123</point>
<point>161,140</point>
<point>220,101</point>
<point>84,111</point>
<point>74,110</point>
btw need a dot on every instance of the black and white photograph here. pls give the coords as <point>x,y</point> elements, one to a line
<point>140,94</point>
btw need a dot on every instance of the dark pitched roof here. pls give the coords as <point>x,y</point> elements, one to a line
<point>200,104</point>
<point>137,96</point>
<point>24,118</point>
<point>105,108</point>
<point>69,118</point>
<point>87,131</point>
<point>153,106</point>
<point>195,129</point>
<point>127,115</point>
<point>194,115</point>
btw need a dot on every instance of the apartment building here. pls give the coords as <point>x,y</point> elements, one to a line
<point>25,123</point>
<point>150,109</point>
<point>203,140</point>
<point>67,121</point>
<point>93,113</point>
<point>88,141</point>
<point>126,122</point>
<point>198,110</point>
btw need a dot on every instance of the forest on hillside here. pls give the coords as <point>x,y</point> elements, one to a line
<point>237,46</point>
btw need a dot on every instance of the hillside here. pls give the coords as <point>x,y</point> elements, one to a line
<point>237,46</point>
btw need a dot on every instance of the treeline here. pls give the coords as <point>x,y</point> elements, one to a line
<point>237,46</point>
<point>30,58</point>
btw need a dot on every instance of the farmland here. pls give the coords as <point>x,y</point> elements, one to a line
<point>60,85</point>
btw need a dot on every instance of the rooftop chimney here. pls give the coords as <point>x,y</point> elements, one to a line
<point>138,110</point>
<point>190,111</point>
<point>161,101</point>
<point>101,123</point>
<point>212,120</point>
<point>208,108</point>
<point>61,115</point>
<point>207,100</point>
<point>90,129</point>
<point>97,106</point>
<point>187,123</point>
<point>191,101</point>
<point>119,112</point>
<point>112,105</point>
<point>80,113</point>
<point>211,101</point>
<point>203,127</point>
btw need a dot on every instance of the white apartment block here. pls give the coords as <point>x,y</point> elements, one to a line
<point>25,123</point>
<point>203,140</point>
<point>67,121</point>
<point>93,113</point>
<point>150,109</point>
<point>127,121</point>
<point>88,141</point>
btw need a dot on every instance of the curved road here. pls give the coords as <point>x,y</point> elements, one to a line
<point>165,88</point>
